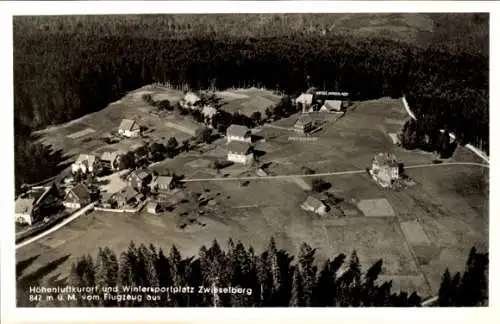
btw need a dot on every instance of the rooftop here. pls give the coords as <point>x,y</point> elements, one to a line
<point>237,130</point>
<point>313,202</point>
<point>81,192</point>
<point>127,124</point>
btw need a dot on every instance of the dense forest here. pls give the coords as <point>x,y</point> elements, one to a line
<point>63,73</point>
<point>272,278</point>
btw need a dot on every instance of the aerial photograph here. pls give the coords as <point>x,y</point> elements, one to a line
<point>251,160</point>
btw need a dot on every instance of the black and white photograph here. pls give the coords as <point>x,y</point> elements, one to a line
<point>292,159</point>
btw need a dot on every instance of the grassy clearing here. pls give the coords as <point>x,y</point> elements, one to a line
<point>450,203</point>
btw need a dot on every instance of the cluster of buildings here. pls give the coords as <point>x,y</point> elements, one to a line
<point>239,148</point>
<point>385,169</point>
<point>38,203</point>
<point>192,101</point>
<point>325,101</point>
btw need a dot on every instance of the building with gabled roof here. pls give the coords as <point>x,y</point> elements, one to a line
<point>162,184</point>
<point>240,152</point>
<point>129,128</point>
<point>139,178</point>
<point>303,125</point>
<point>35,204</point>
<point>111,159</point>
<point>238,133</point>
<point>77,197</point>
<point>384,169</point>
<point>86,163</point>
<point>333,106</point>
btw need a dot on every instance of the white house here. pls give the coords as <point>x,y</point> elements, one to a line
<point>305,100</point>
<point>314,205</point>
<point>87,163</point>
<point>238,133</point>
<point>384,169</point>
<point>239,152</point>
<point>129,128</point>
<point>333,106</point>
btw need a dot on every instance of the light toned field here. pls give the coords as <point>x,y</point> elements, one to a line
<point>415,233</point>
<point>376,207</point>
<point>247,101</point>
<point>85,134</point>
<point>81,133</point>
<point>451,203</point>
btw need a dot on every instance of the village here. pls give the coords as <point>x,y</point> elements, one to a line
<point>135,186</point>
<point>183,167</point>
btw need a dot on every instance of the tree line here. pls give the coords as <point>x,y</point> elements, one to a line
<point>61,76</point>
<point>275,278</point>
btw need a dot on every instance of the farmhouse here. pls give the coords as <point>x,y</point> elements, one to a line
<point>190,100</point>
<point>303,125</point>
<point>384,169</point>
<point>333,106</point>
<point>111,160</point>
<point>128,196</point>
<point>238,133</point>
<point>129,128</point>
<point>153,207</point>
<point>162,184</point>
<point>239,153</point>
<point>77,197</point>
<point>86,163</point>
<point>36,204</point>
<point>314,205</point>
<point>305,101</point>
<point>139,179</point>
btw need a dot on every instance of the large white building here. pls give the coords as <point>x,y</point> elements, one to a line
<point>239,152</point>
<point>238,133</point>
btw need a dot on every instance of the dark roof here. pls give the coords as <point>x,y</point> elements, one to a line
<point>238,147</point>
<point>80,191</point>
<point>237,130</point>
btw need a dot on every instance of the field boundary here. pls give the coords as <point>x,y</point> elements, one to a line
<point>470,147</point>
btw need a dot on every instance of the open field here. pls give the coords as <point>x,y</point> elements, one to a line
<point>85,135</point>
<point>450,204</point>
<point>247,101</point>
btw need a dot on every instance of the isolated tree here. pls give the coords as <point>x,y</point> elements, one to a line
<point>127,161</point>
<point>157,151</point>
<point>171,147</point>
<point>164,105</point>
<point>446,290</point>
<point>308,271</point>
<point>203,135</point>
<point>256,118</point>
<point>185,145</point>
<point>148,98</point>
<point>297,298</point>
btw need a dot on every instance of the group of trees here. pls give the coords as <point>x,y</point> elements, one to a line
<point>152,152</point>
<point>57,80</point>
<point>420,135</point>
<point>274,277</point>
<point>469,289</point>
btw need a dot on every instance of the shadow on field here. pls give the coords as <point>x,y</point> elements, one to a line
<point>22,265</point>
<point>34,279</point>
